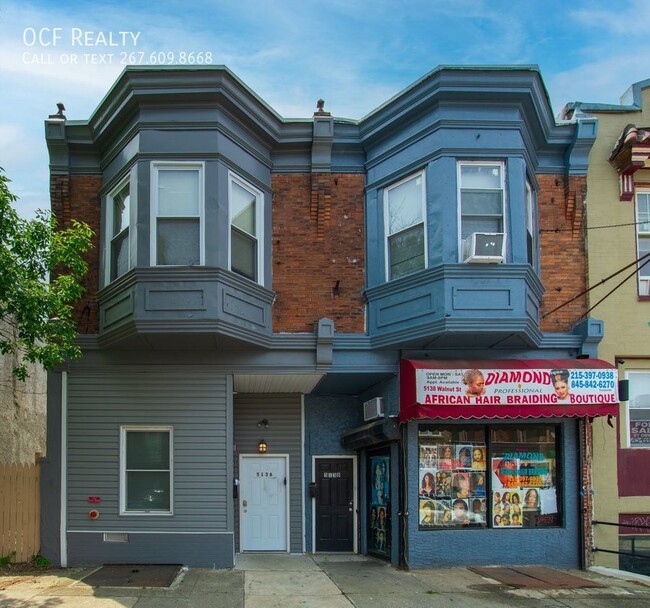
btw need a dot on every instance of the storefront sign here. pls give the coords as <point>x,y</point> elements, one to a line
<point>508,388</point>
<point>642,520</point>
<point>516,387</point>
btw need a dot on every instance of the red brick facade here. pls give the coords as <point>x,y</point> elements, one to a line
<point>318,251</point>
<point>562,250</point>
<point>77,198</point>
<point>318,248</point>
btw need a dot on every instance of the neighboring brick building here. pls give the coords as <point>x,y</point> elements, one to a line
<point>269,299</point>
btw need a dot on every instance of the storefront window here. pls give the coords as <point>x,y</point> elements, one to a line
<point>524,476</point>
<point>452,465</point>
<point>379,512</point>
<point>454,483</point>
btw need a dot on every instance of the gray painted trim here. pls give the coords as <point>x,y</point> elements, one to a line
<point>230,456</point>
<point>193,550</point>
<point>51,473</point>
<point>63,551</point>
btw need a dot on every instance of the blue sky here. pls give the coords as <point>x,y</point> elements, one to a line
<point>355,54</point>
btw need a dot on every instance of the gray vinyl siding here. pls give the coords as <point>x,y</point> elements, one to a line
<point>193,401</point>
<point>193,550</point>
<point>284,436</point>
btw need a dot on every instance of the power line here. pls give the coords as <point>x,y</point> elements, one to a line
<point>557,230</point>
<point>636,271</point>
<point>645,257</point>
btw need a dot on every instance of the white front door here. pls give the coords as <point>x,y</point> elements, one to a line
<point>263,503</point>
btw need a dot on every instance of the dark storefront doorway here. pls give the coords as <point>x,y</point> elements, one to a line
<point>334,504</point>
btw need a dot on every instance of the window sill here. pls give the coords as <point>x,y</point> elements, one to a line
<point>644,298</point>
<point>146,513</point>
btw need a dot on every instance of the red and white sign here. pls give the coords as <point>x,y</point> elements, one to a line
<point>515,386</point>
<point>507,388</point>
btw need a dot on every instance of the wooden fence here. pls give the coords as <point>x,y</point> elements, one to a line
<point>20,510</point>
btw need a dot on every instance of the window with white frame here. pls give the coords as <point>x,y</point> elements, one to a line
<point>404,205</point>
<point>638,409</point>
<point>177,194</point>
<point>531,239</point>
<point>246,228</point>
<point>118,220</point>
<point>146,470</point>
<point>481,196</point>
<point>643,240</point>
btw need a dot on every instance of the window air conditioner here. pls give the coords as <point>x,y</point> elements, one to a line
<point>484,248</point>
<point>373,409</point>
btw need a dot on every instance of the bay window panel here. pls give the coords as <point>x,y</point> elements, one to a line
<point>481,176</point>
<point>481,203</point>
<point>119,235</point>
<point>178,241</point>
<point>406,252</point>
<point>244,254</point>
<point>481,198</point>
<point>178,192</point>
<point>243,209</point>
<point>121,209</point>
<point>405,205</point>
<point>405,227</point>
<point>246,229</point>
<point>480,224</point>
<point>120,255</point>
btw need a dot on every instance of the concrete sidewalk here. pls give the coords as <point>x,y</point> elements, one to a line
<point>318,581</point>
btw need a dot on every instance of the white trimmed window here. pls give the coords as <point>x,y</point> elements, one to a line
<point>119,207</point>
<point>531,233</point>
<point>246,228</point>
<point>638,409</point>
<point>481,198</point>
<point>404,219</point>
<point>177,214</point>
<point>643,240</point>
<point>146,467</point>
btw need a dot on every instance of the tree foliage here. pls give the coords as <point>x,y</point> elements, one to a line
<point>41,269</point>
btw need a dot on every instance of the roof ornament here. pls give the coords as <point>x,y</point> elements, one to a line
<point>320,111</point>
<point>60,115</point>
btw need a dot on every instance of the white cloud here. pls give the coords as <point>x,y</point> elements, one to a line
<point>602,81</point>
<point>620,18</point>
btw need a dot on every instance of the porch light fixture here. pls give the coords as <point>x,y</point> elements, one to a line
<point>263,423</point>
<point>261,446</point>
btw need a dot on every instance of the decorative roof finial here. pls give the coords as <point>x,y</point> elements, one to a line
<point>60,113</point>
<point>320,105</point>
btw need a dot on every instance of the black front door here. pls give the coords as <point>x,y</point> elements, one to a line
<point>334,504</point>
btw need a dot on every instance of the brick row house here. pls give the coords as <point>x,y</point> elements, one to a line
<point>618,234</point>
<point>325,334</point>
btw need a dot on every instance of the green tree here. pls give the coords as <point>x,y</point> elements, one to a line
<point>41,269</point>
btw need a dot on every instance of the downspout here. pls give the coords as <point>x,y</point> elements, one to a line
<point>64,471</point>
<point>403,498</point>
